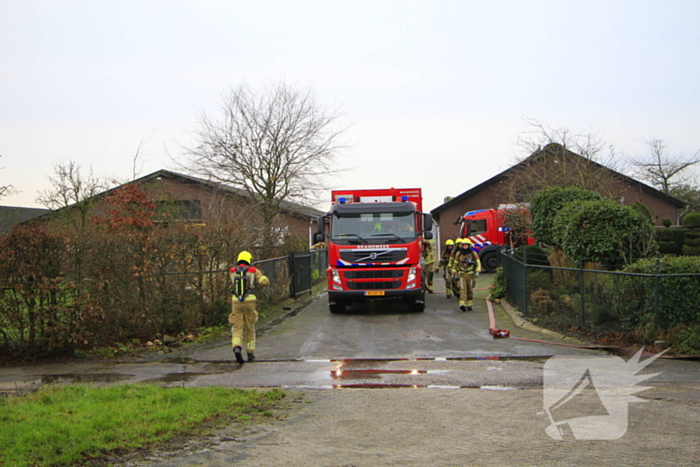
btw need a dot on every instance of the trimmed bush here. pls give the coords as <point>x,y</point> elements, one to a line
<point>691,245</point>
<point>679,295</point>
<point>603,231</point>
<point>691,220</point>
<point>545,205</point>
<point>666,222</point>
<point>670,241</point>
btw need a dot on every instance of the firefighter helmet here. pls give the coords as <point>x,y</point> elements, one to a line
<point>467,241</point>
<point>458,241</point>
<point>245,256</point>
<point>449,242</point>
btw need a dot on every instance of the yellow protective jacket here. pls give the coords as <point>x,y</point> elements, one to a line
<point>464,262</point>
<point>428,253</point>
<point>445,258</point>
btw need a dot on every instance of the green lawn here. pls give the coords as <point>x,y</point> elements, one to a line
<point>62,425</point>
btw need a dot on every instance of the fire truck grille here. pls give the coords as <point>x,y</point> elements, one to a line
<point>373,256</point>
<point>380,274</point>
<point>385,285</point>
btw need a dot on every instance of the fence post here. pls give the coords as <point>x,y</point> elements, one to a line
<point>292,274</point>
<point>656,289</point>
<point>525,282</point>
<point>583,295</point>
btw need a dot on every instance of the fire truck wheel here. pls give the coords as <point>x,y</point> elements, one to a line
<point>490,261</point>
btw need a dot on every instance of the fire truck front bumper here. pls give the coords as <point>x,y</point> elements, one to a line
<point>359,295</point>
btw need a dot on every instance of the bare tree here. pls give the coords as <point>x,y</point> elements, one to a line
<point>278,146</point>
<point>588,144</point>
<point>663,170</point>
<point>554,157</point>
<point>69,187</point>
<point>135,172</point>
<point>6,190</point>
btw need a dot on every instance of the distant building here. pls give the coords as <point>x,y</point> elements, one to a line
<point>554,165</point>
<point>186,199</point>
<point>13,215</point>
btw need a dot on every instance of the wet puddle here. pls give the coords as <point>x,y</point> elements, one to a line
<point>177,377</point>
<point>364,374</point>
<point>84,378</point>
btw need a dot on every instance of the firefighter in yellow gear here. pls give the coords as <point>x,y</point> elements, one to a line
<point>466,265</point>
<point>244,315</point>
<point>428,264</point>
<point>444,260</point>
<point>456,287</point>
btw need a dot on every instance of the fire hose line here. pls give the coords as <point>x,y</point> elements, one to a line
<point>620,351</point>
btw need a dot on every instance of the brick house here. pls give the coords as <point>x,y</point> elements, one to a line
<point>192,200</point>
<point>13,215</point>
<point>562,168</point>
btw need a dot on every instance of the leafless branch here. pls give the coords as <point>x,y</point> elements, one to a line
<point>277,146</point>
<point>69,187</point>
<point>661,169</point>
<point>137,155</point>
<point>6,190</point>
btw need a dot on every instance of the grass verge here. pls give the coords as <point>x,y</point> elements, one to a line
<point>64,425</point>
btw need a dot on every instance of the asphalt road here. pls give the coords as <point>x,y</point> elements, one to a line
<point>379,385</point>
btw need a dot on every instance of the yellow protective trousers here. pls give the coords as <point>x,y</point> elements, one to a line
<point>448,282</point>
<point>429,272</point>
<point>243,318</point>
<point>466,293</point>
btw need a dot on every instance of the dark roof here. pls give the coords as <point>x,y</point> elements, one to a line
<point>550,147</point>
<point>13,215</point>
<point>288,207</point>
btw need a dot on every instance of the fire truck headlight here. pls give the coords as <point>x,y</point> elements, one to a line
<point>411,275</point>
<point>335,275</point>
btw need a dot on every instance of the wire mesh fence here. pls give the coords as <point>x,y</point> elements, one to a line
<point>61,313</point>
<point>590,298</point>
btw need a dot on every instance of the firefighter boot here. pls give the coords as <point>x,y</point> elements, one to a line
<point>251,357</point>
<point>239,356</point>
<point>462,306</point>
<point>469,305</point>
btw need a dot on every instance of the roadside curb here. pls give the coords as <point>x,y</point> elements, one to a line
<point>524,324</point>
<point>297,307</point>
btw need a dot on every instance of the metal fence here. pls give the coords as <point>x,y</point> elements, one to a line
<point>293,275</point>
<point>593,299</point>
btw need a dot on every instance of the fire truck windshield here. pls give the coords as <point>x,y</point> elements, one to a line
<point>376,227</point>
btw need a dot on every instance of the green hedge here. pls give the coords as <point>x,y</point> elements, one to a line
<point>670,241</point>
<point>679,296</point>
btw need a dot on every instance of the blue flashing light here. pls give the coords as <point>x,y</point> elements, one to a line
<point>404,198</point>
<point>471,213</point>
<point>341,200</point>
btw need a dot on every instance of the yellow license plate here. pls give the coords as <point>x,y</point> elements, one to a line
<point>374,293</point>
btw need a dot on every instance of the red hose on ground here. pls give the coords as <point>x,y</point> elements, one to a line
<point>621,351</point>
<point>495,332</point>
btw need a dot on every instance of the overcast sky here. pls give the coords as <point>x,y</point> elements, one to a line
<point>434,92</point>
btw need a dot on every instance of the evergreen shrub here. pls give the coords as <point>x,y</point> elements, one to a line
<point>679,292</point>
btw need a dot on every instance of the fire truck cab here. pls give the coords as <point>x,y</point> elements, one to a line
<point>375,244</point>
<point>488,231</point>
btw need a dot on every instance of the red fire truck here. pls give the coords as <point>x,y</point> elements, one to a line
<point>488,231</point>
<point>375,244</point>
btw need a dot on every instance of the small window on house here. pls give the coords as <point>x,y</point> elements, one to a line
<point>183,210</point>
